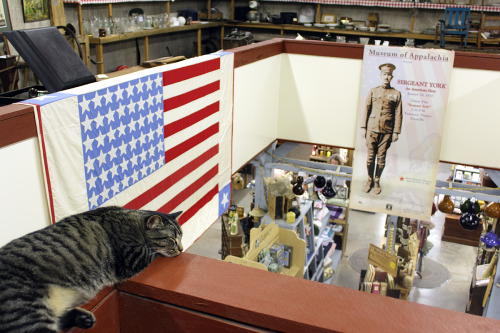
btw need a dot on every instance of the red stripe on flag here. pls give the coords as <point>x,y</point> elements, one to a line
<point>46,166</point>
<point>184,73</point>
<point>190,190</point>
<point>190,120</point>
<point>191,142</point>
<point>198,205</point>
<point>192,95</point>
<point>165,184</point>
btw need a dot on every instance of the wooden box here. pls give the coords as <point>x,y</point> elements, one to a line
<point>455,233</point>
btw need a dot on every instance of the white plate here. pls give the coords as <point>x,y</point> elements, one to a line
<point>383,30</point>
<point>319,25</point>
<point>363,28</point>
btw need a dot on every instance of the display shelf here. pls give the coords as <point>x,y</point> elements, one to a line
<point>264,237</point>
<point>230,244</point>
<point>343,32</point>
<point>392,4</point>
<point>313,264</point>
<point>342,234</point>
<point>99,42</point>
<point>466,175</point>
<point>305,206</point>
<point>323,154</point>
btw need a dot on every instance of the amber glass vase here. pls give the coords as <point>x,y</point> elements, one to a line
<point>446,205</point>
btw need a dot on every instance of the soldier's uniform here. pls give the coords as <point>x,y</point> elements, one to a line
<point>383,117</point>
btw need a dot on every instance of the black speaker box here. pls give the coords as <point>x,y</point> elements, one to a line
<point>51,58</point>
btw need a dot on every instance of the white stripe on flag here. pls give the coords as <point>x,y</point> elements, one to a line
<point>181,87</point>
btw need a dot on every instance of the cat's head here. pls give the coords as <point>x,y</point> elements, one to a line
<point>164,235</point>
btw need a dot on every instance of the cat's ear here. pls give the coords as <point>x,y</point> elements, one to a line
<point>175,215</point>
<point>153,222</point>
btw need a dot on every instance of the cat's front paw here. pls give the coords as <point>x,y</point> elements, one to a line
<point>78,317</point>
<point>84,319</point>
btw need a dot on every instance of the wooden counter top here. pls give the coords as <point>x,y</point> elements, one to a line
<point>288,304</point>
<point>151,32</point>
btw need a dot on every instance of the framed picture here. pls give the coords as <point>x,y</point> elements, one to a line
<point>328,18</point>
<point>35,10</point>
<point>4,17</point>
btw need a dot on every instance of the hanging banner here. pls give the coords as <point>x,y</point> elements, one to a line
<point>402,104</point>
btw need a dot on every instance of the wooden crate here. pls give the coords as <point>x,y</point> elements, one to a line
<point>264,237</point>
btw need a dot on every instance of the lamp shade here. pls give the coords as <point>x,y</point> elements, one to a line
<point>298,188</point>
<point>469,221</point>
<point>328,190</point>
<point>257,212</point>
<point>446,205</point>
<point>493,210</point>
<point>490,239</point>
<point>319,182</point>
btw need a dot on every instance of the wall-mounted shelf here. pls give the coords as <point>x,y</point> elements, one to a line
<point>291,28</point>
<point>392,4</point>
<point>466,175</point>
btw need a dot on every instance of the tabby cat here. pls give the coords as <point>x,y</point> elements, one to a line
<point>46,274</point>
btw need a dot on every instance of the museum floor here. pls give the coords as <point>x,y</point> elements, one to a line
<point>366,228</point>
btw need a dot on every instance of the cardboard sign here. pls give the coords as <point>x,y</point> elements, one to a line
<point>383,259</point>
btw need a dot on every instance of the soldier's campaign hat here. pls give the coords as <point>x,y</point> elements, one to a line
<point>391,66</point>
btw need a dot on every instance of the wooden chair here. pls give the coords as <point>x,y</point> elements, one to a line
<point>491,29</point>
<point>456,23</point>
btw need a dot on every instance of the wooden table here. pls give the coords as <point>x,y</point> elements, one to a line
<point>100,41</point>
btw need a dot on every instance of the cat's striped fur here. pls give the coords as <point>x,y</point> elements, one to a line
<point>46,274</point>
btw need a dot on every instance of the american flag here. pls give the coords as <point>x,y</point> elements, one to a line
<point>157,140</point>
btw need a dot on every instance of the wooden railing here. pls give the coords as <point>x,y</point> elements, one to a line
<point>190,293</point>
<point>17,121</point>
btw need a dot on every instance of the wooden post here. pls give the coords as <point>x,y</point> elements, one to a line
<point>99,59</point>
<point>87,50</point>
<point>199,42</point>
<point>80,19</point>
<point>412,24</point>
<point>110,10</point>
<point>318,13</point>
<point>222,37</point>
<point>232,10</point>
<point>168,8</point>
<point>209,12</point>
<point>57,13</point>
<point>146,48</point>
